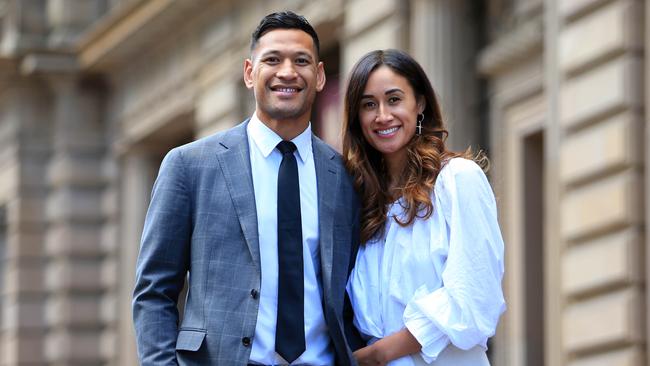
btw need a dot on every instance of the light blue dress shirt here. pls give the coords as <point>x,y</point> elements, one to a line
<point>265,163</point>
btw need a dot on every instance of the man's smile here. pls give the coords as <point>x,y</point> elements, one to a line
<point>286,89</point>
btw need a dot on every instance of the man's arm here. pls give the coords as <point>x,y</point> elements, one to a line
<point>163,263</point>
<point>351,333</point>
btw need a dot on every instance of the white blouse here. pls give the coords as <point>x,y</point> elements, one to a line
<point>439,277</point>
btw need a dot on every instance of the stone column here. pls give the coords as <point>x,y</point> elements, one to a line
<point>370,25</point>
<point>79,272</point>
<point>25,149</point>
<point>554,135</point>
<point>443,40</point>
<point>139,168</point>
<point>24,26</point>
<point>68,18</point>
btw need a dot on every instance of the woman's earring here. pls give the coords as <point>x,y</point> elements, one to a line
<point>418,124</point>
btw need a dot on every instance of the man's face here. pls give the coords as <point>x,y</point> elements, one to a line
<point>285,75</point>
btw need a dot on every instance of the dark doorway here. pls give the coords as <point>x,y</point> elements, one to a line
<point>533,180</point>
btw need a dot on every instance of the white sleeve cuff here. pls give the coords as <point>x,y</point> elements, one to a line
<point>430,337</point>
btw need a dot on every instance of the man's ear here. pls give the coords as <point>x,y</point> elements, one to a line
<point>248,73</point>
<point>320,76</point>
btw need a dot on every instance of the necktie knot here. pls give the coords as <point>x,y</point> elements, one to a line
<point>286,147</point>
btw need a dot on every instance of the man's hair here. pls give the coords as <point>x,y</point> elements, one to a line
<point>284,20</point>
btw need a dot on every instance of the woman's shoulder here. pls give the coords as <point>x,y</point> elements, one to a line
<point>463,177</point>
<point>461,168</point>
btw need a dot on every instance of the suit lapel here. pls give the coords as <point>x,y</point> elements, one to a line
<point>236,166</point>
<point>327,178</point>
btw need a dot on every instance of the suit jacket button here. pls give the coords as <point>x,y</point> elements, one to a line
<point>246,341</point>
<point>254,293</point>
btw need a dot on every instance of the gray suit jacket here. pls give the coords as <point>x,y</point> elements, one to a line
<point>202,225</point>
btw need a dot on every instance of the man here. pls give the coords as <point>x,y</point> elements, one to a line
<point>263,218</point>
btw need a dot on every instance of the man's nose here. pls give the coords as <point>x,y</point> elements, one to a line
<point>287,70</point>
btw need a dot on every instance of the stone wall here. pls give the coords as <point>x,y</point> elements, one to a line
<point>93,93</point>
<point>600,72</point>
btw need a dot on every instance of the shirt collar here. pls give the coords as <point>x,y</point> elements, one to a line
<point>266,139</point>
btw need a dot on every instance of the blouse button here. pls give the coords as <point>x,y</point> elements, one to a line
<point>254,293</point>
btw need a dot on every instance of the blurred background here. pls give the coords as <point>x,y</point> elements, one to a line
<point>93,93</point>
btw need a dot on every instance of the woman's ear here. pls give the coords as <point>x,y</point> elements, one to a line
<point>421,104</point>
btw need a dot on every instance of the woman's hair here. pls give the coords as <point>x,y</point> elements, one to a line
<point>426,153</point>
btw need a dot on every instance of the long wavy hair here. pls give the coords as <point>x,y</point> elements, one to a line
<point>426,153</point>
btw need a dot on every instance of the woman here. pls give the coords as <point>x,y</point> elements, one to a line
<point>426,286</point>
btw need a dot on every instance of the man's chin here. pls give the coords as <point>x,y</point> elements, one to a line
<point>286,114</point>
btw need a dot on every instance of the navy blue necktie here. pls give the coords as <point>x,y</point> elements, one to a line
<point>290,331</point>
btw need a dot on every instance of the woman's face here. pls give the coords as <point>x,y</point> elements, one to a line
<point>388,113</point>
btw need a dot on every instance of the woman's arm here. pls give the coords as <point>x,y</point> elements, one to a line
<point>396,345</point>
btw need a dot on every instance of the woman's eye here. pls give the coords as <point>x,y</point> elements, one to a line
<point>368,105</point>
<point>393,100</point>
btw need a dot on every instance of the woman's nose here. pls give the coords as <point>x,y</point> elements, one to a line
<point>383,113</point>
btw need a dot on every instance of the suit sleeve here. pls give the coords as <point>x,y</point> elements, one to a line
<point>351,333</point>
<point>162,264</point>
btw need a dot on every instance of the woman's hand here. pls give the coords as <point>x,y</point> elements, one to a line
<point>370,356</point>
<point>396,345</point>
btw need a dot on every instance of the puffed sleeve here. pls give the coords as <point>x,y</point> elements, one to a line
<point>466,309</point>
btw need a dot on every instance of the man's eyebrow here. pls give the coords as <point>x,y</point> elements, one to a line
<point>304,54</point>
<point>269,52</point>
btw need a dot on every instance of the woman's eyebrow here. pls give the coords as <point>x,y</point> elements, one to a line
<point>394,90</point>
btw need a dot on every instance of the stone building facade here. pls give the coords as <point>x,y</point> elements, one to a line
<point>93,93</point>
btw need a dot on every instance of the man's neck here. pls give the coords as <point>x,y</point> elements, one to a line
<point>287,129</point>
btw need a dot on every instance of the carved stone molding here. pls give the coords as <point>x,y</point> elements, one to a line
<point>121,34</point>
<point>50,62</point>
<point>511,48</point>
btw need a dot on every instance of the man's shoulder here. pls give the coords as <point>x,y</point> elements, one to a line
<point>218,141</point>
<point>328,151</point>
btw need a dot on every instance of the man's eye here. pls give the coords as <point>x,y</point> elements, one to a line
<point>302,61</point>
<point>272,60</point>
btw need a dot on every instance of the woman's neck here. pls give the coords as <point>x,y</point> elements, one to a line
<point>395,169</point>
